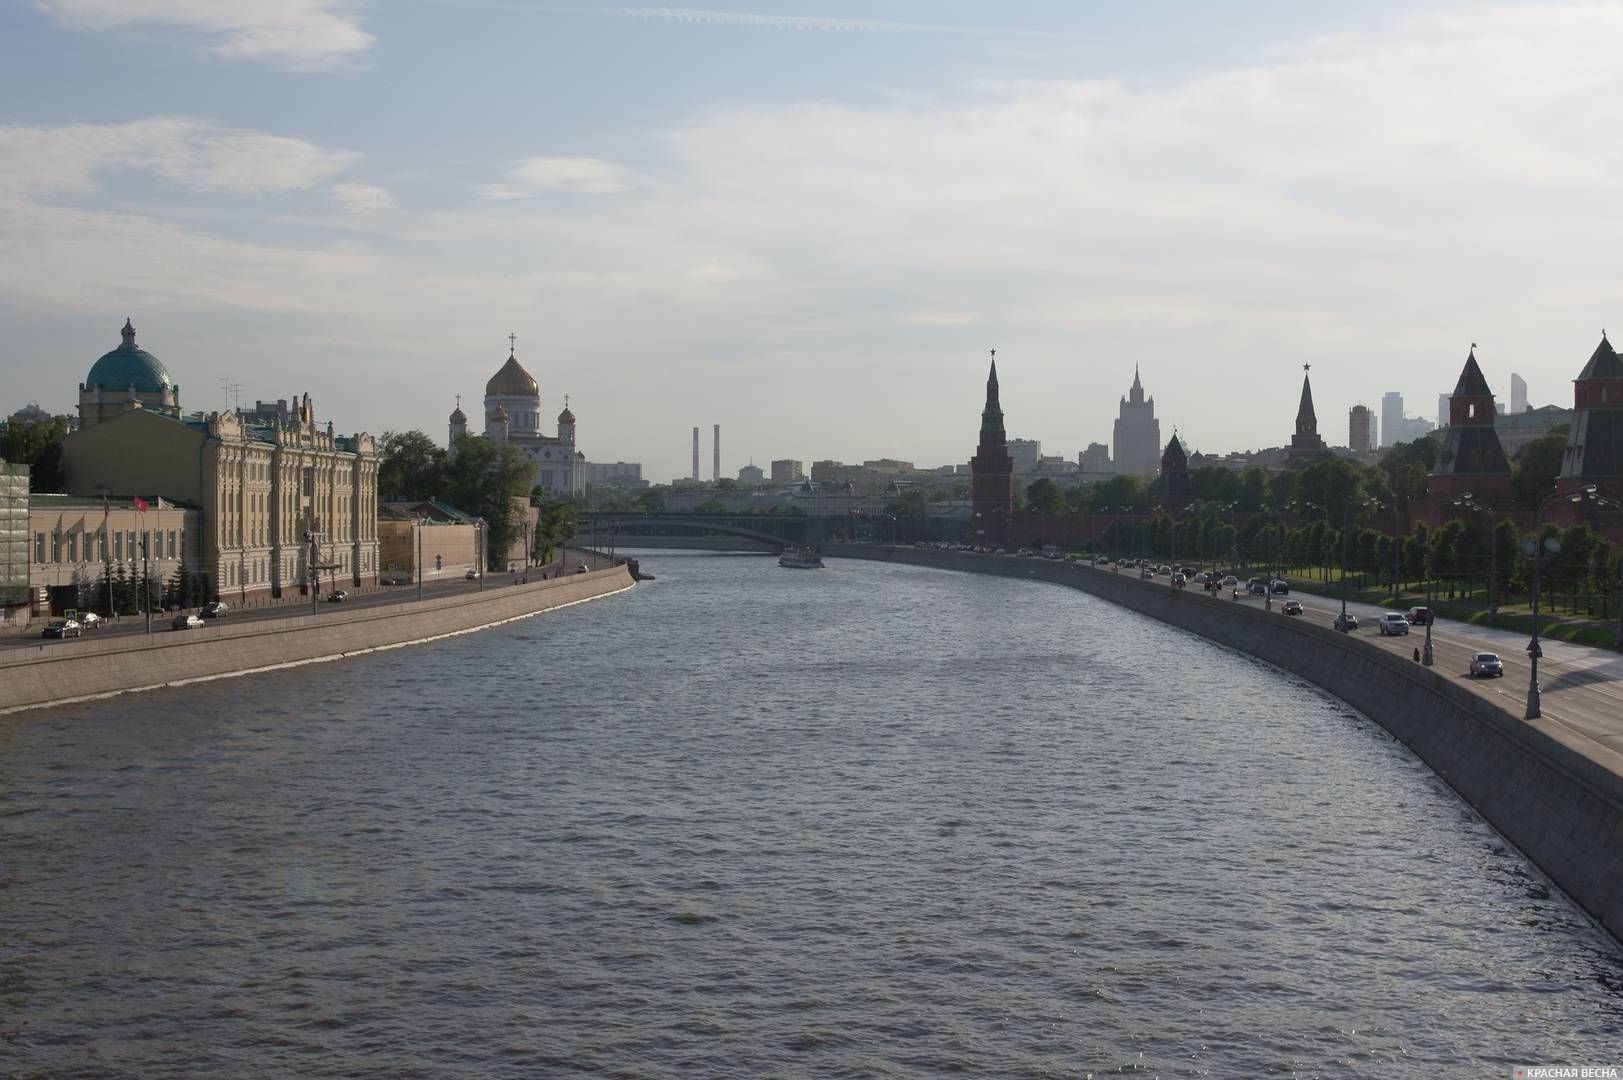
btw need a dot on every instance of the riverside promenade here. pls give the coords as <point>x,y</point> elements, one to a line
<point>81,669</point>
<point>1553,786</point>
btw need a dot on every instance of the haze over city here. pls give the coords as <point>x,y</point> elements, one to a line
<point>810,225</point>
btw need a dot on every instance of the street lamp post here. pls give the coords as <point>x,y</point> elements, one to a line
<point>1346,527</point>
<point>1426,657</point>
<point>1534,547</point>
<point>1493,553</point>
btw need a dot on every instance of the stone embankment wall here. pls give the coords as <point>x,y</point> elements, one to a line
<point>1555,795</point>
<point>59,672</point>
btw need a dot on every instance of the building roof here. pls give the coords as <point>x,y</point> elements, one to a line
<point>1471,451</point>
<point>512,381</point>
<point>1305,418</point>
<point>1604,363</point>
<point>458,416</point>
<point>46,500</point>
<point>566,417</point>
<point>1471,383</point>
<point>128,366</point>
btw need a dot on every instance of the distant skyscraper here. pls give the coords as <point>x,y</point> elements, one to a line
<point>1137,438</point>
<point>787,471</point>
<point>991,489</point>
<point>1095,459</point>
<point>1518,394</point>
<point>1391,417</point>
<point>1443,409</point>
<point>1361,428</point>
<point>715,459</point>
<point>695,455</point>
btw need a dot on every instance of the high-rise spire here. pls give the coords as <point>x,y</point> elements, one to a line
<point>1306,422</point>
<point>992,480</point>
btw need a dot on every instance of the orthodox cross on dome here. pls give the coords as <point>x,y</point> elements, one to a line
<point>566,401</point>
<point>512,344</point>
<point>459,401</point>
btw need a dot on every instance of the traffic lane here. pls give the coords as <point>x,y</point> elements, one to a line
<point>135,625</point>
<point>1584,701</point>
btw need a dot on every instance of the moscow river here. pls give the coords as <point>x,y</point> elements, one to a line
<point>743,822</point>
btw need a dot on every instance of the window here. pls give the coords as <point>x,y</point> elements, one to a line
<point>174,552</point>
<point>73,547</point>
<point>118,547</point>
<point>146,543</point>
<point>39,547</point>
<point>56,545</point>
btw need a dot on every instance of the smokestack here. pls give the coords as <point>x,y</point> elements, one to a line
<point>695,455</point>
<point>715,462</point>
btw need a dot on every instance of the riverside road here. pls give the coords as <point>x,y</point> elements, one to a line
<point>1581,687</point>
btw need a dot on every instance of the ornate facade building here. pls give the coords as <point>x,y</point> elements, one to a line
<point>992,474</point>
<point>1594,453</point>
<point>1470,458</point>
<point>513,415</point>
<point>276,500</point>
<point>1137,435</point>
<point>1306,441</point>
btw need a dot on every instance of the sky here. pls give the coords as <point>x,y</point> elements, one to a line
<point>810,222</point>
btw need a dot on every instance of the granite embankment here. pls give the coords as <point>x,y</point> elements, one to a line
<point>1554,794</point>
<point>60,672</point>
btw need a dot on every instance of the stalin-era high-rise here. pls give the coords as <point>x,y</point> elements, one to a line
<point>992,473</point>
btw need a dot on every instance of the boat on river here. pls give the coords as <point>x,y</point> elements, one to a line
<point>801,558</point>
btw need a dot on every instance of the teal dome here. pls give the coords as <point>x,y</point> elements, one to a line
<point>127,365</point>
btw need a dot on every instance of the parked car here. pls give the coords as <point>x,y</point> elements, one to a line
<point>337,596</point>
<point>186,622</point>
<point>62,628</point>
<point>214,609</point>
<point>1292,607</point>
<point>1419,616</point>
<point>1346,622</point>
<point>1281,587</point>
<point>1393,623</point>
<point>1487,665</point>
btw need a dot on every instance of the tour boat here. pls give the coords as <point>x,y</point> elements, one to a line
<point>802,558</point>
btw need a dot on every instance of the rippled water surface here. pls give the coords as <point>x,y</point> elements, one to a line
<point>744,821</point>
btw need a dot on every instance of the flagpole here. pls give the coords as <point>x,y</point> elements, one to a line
<point>106,552</point>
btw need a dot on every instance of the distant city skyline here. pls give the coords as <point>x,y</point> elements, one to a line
<point>810,224</point>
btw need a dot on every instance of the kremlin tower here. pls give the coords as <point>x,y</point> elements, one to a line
<point>992,469</point>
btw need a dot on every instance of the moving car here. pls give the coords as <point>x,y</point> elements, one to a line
<point>1487,665</point>
<point>1281,587</point>
<point>186,622</point>
<point>62,628</point>
<point>1346,622</point>
<point>1179,581</point>
<point>1419,616</point>
<point>1231,582</point>
<point>337,596</point>
<point>214,609</point>
<point>1292,607</point>
<point>1256,588</point>
<point>471,575</point>
<point>89,620</point>
<point>1393,622</point>
<point>1145,572</point>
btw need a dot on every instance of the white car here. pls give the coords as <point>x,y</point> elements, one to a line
<point>1231,582</point>
<point>1487,665</point>
<point>471,575</point>
<point>1393,623</point>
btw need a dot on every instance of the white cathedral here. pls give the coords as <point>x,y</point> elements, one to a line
<point>513,415</point>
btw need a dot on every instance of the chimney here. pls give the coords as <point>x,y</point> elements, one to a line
<point>715,461</point>
<point>695,455</point>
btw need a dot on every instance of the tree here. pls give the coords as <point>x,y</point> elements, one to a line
<point>1120,494</point>
<point>1043,496</point>
<point>557,521</point>
<point>37,444</point>
<point>1333,484</point>
<point>651,501</point>
<point>1533,473</point>
<point>484,478</point>
<point>410,466</point>
<point>710,507</point>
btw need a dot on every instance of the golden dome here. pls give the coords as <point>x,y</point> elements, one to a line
<point>459,417</point>
<point>512,381</point>
<point>500,415</point>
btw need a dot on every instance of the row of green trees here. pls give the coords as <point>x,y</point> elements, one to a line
<point>479,477</point>
<point>1463,551</point>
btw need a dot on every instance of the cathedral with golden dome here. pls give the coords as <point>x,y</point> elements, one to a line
<point>513,415</point>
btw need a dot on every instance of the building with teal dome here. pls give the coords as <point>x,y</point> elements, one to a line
<point>126,377</point>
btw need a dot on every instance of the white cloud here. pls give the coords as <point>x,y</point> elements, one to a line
<point>706,17</point>
<point>577,175</point>
<point>194,154</point>
<point>361,198</point>
<point>298,34</point>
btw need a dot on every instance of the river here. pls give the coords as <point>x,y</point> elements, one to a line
<point>741,821</point>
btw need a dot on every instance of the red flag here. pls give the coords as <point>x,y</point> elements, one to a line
<point>140,504</point>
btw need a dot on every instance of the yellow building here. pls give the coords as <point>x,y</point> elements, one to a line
<point>277,498</point>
